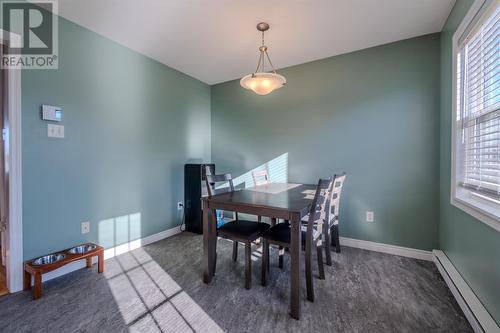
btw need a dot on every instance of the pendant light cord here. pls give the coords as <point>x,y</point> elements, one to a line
<point>262,52</point>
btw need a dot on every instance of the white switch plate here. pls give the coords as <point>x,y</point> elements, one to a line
<point>85,227</point>
<point>369,217</point>
<point>55,131</point>
<point>180,205</point>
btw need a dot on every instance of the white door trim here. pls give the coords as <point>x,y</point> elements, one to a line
<point>15,226</point>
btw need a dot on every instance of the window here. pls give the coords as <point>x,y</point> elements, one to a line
<point>476,130</point>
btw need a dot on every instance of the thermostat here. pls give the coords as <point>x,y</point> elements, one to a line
<point>51,113</point>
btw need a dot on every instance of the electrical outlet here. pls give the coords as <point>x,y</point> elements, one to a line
<point>85,227</point>
<point>369,217</point>
<point>180,205</point>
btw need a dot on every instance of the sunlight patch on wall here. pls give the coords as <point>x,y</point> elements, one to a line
<point>277,169</point>
<point>119,234</point>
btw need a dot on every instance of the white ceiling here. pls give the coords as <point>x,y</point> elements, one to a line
<point>216,40</point>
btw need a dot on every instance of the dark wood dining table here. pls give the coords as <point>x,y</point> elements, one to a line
<point>275,200</point>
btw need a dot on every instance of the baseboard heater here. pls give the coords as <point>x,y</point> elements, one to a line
<point>475,312</point>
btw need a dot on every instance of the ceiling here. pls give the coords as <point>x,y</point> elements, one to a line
<point>216,40</point>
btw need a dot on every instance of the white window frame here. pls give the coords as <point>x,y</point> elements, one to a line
<point>477,207</point>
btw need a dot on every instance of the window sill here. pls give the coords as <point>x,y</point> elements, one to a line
<point>479,210</point>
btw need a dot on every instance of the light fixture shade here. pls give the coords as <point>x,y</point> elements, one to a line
<point>263,83</point>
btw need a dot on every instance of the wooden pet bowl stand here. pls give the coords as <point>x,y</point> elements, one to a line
<point>30,268</point>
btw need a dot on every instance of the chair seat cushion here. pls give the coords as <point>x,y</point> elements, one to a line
<point>281,233</point>
<point>243,229</point>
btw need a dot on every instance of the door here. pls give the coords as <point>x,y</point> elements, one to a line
<point>4,176</point>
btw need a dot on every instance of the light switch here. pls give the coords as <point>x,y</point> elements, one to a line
<point>55,131</point>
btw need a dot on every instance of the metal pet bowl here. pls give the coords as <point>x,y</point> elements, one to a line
<point>48,259</point>
<point>82,249</point>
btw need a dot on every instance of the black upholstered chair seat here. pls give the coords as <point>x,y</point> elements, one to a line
<point>243,230</point>
<point>281,234</point>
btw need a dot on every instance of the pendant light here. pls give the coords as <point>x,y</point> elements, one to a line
<point>262,82</point>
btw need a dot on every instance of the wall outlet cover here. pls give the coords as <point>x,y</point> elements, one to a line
<point>369,216</point>
<point>85,227</point>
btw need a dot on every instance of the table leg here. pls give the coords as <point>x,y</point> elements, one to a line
<point>295,255</point>
<point>89,262</point>
<point>37,288</point>
<point>100,262</point>
<point>265,262</point>
<point>208,244</point>
<point>27,280</point>
<point>213,238</point>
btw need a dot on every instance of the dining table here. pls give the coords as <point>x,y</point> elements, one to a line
<point>287,201</point>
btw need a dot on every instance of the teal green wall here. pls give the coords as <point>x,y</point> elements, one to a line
<point>472,246</point>
<point>373,114</point>
<point>131,123</point>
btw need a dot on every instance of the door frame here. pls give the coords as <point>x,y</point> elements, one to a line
<point>14,262</point>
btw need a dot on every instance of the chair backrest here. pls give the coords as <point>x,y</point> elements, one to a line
<point>208,170</point>
<point>260,177</point>
<point>338,184</point>
<point>318,212</point>
<point>213,180</point>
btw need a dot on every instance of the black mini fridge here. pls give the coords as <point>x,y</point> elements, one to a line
<point>194,190</point>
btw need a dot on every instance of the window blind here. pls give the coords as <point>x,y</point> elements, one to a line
<point>478,106</point>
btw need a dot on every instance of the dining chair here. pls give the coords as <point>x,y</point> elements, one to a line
<point>311,235</point>
<point>260,178</point>
<point>331,229</point>
<point>238,231</point>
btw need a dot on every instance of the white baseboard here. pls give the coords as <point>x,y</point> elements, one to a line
<point>475,312</point>
<point>387,248</point>
<point>112,252</point>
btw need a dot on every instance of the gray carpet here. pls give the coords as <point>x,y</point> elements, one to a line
<point>158,289</point>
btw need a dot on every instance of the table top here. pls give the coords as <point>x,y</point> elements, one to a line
<point>281,196</point>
